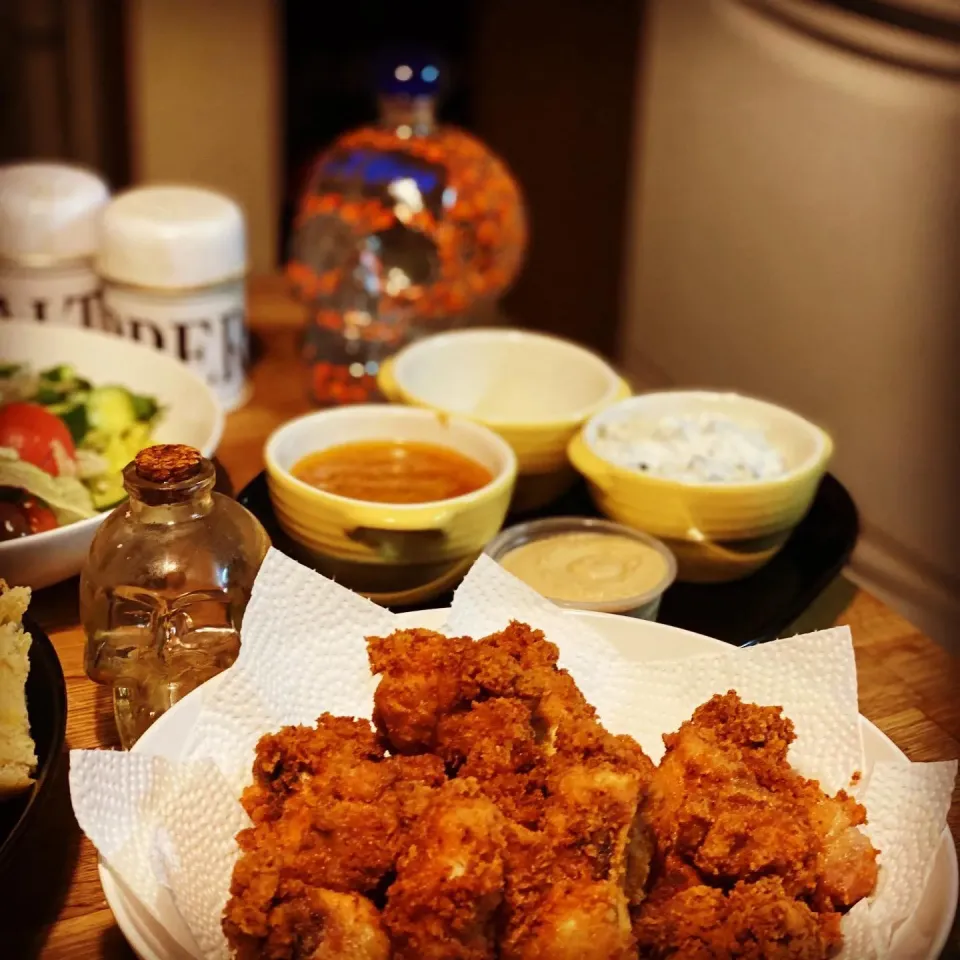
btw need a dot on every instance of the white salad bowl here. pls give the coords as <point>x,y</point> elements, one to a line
<point>166,937</point>
<point>191,414</point>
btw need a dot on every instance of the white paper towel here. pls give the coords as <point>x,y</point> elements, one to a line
<point>303,652</point>
<point>166,829</point>
<point>171,825</point>
<point>893,795</point>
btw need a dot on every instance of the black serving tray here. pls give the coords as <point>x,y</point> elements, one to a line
<point>47,709</point>
<point>758,608</point>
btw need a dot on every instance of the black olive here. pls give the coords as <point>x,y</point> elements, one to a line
<point>13,522</point>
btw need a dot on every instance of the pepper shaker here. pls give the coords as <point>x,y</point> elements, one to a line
<point>173,261</point>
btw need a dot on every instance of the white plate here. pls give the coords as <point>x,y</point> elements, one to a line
<point>192,415</point>
<point>921,938</point>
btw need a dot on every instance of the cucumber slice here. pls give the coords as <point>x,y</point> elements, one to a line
<point>60,374</point>
<point>110,409</point>
<point>107,492</point>
<point>145,408</point>
<point>48,396</point>
<point>75,417</point>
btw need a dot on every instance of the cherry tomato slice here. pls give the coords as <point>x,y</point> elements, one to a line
<point>39,516</point>
<point>32,431</point>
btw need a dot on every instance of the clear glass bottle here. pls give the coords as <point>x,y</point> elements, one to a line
<point>406,227</point>
<point>165,585</point>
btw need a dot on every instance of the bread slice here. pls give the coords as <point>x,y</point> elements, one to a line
<point>18,758</point>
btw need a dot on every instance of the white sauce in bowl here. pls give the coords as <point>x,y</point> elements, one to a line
<point>692,448</point>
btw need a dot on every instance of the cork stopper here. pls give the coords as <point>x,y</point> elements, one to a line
<point>168,463</point>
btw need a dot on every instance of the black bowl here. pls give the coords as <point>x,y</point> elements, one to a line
<point>47,708</point>
<point>753,610</point>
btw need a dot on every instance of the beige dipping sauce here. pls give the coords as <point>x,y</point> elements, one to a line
<point>587,567</point>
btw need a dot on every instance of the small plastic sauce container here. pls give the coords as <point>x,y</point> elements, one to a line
<point>627,575</point>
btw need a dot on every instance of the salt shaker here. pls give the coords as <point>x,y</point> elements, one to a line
<point>49,219</point>
<point>173,260</point>
<point>165,585</point>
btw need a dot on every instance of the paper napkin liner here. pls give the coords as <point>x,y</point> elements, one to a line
<point>167,826</point>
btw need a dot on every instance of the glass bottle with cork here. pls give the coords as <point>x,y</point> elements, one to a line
<point>406,227</point>
<point>165,585</point>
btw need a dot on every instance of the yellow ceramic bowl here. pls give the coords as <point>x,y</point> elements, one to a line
<point>535,390</point>
<point>393,553</point>
<point>718,531</point>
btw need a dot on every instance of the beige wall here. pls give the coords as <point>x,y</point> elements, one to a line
<point>795,235</point>
<point>205,106</point>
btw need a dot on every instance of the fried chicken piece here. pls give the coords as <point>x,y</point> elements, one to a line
<point>422,680</point>
<point>847,865</point>
<point>519,662</point>
<point>534,717</point>
<point>328,808</point>
<point>584,739</point>
<point>449,885</point>
<point>601,780</point>
<point>577,921</point>
<point>493,735</point>
<point>725,799</point>
<point>754,860</point>
<point>754,833</point>
<point>345,832</point>
<point>589,815</point>
<point>523,644</point>
<point>768,924</point>
<point>308,923</point>
<point>286,760</point>
<point>555,910</point>
<point>426,676</point>
<point>495,742</point>
<point>762,734</point>
<point>758,921</point>
<point>580,851</point>
<point>330,813</point>
<point>687,924</point>
<point>571,882</point>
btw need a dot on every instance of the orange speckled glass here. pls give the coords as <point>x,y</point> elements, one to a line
<point>404,228</point>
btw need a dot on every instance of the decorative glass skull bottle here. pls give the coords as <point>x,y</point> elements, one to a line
<point>165,585</point>
<point>405,228</point>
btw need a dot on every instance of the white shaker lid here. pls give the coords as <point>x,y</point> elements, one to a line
<point>172,238</point>
<point>49,211</point>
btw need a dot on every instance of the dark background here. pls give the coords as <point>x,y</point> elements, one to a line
<point>548,85</point>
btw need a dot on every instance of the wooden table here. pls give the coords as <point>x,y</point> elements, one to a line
<point>908,684</point>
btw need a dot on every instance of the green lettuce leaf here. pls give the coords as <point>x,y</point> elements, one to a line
<point>67,497</point>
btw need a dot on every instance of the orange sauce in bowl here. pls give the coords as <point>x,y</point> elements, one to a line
<point>392,471</point>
